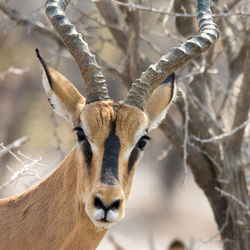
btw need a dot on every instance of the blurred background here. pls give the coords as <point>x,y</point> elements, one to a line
<point>165,202</point>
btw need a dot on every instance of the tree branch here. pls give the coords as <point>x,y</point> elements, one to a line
<point>16,144</point>
<point>110,16</point>
<point>24,171</point>
<point>35,26</point>
<point>242,105</point>
<point>133,20</point>
<point>132,6</point>
<point>223,135</point>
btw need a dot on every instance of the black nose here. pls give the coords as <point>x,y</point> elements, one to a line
<point>99,204</point>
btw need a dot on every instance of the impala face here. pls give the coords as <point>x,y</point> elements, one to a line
<point>111,137</point>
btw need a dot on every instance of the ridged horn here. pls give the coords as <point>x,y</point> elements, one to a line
<point>95,83</point>
<point>142,89</point>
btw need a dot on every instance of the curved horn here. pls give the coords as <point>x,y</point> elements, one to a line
<point>95,83</point>
<point>142,89</point>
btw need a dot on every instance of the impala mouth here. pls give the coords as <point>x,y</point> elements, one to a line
<point>99,220</point>
<point>104,220</point>
<point>103,223</point>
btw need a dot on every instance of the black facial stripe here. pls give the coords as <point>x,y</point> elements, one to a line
<point>87,153</point>
<point>110,159</point>
<point>133,157</point>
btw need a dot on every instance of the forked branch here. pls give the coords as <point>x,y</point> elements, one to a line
<point>16,144</point>
<point>15,15</point>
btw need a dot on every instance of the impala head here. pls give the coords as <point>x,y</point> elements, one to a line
<point>111,136</point>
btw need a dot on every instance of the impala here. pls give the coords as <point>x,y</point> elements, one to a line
<point>76,205</point>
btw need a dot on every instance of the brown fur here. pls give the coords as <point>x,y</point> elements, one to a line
<point>98,119</point>
<point>49,216</point>
<point>60,213</point>
<point>52,215</point>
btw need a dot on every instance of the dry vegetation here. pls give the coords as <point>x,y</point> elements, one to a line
<point>208,127</point>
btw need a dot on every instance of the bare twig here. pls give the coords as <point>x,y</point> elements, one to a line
<point>224,193</point>
<point>12,70</point>
<point>204,152</point>
<point>151,45</point>
<point>26,170</point>
<point>35,26</point>
<point>95,20</point>
<point>132,6</point>
<point>28,158</point>
<point>16,144</point>
<point>222,136</point>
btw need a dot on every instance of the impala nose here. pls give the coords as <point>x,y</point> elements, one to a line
<point>99,204</point>
<point>106,206</point>
<point>107,213</point>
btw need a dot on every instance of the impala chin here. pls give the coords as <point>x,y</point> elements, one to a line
<point>105,219</point>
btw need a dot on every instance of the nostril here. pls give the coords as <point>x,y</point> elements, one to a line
<point>98,203</point>
<point>115,204</point>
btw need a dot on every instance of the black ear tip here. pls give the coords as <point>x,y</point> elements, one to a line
<point>169,79</point>
<point>37,53</point>
<point>39,57</point>
<point>45,67</point>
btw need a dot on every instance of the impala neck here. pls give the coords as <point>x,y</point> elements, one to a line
<point>53,206</point>
<point>85,235</point>
<point>82,233</point>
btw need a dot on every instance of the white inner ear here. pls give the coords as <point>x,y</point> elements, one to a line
<point>56,104</point>
<point>158,119</point>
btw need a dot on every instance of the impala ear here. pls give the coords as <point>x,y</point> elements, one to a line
<point>63,97</point>
<point>160,101</point>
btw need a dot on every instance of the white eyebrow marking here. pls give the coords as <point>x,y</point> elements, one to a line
<point>86,130</point>
<point>138,134</point>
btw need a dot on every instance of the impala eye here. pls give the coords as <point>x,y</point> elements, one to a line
<point>142,142</point>
<point>80,134</point>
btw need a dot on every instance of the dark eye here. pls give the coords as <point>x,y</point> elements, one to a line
<point>142,142</point>
<point>80,134</point>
